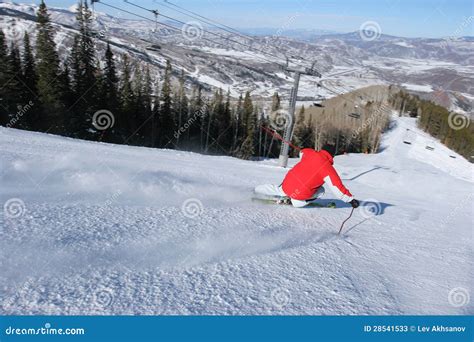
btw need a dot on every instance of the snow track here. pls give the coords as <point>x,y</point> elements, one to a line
<point>104,229</point>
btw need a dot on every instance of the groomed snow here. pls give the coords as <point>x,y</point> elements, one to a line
<point>124,230</point>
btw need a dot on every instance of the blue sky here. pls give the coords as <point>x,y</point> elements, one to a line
<point>416,18</point>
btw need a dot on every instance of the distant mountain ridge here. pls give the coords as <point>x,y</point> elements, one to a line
<point>235,63</point>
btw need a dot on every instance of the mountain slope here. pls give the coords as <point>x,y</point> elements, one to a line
<point>237,63</point>
<point>91,228</point>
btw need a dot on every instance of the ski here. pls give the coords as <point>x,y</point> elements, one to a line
<point>286,201</point>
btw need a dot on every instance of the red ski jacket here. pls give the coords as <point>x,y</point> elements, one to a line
<point>314,170</point>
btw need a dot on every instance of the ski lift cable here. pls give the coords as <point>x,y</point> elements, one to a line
<point>206,31</point>
<point>178,30</point>
<point>218,25</point>
<point>204,38</point>
<point>208,21</point>
<point>155,12</point>
<point>226,26</point>
<point>233,30</point>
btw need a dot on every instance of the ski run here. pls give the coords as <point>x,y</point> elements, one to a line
<point>94,228</point>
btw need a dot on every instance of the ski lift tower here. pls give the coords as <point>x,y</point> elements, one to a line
<point>283,159</point>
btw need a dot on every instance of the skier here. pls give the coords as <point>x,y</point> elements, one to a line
<point>303,184</point>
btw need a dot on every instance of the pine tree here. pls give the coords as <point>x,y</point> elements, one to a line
<point>67,95</point>
<point>147,104</point>
<point>237,125</point>
<point>247,149</point>
<point>110,81</point>
<point>224,124</point>
<point>275,102</point>
<point>301,131</point>
<point>166,124</point>
<point>30,80</point>
<point>48,72</point>
<point>127,101</point>
<point>155,114</point>
<point>196,115</point>
<point>15,91</point>
<point>84,72</point>
<point>180,106</point>
<point>3,80</point>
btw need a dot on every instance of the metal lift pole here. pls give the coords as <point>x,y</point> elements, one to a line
<point>283,159</point>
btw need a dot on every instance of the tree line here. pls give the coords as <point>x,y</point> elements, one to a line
<point>118,100</point>
<point>453,129</point>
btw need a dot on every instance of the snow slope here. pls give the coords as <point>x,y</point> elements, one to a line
<point>104,229</point>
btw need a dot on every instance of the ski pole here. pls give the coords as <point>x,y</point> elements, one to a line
<point>347,219</point>
<point>279,137</point>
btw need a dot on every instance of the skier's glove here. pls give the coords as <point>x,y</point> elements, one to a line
<point>355,203</point>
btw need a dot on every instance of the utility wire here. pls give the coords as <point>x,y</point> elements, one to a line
<point>203,38</point>
<point>177,29</point>
<point>235,31</point>
<point>206,31</point>
<point>199,17</point>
